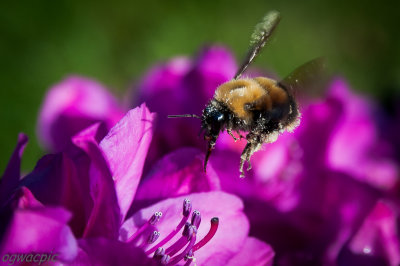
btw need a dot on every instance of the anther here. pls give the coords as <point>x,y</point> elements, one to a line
<point>159,253</point>
<point>153,237</point>
<point>165,259</point>
<point>155,218</point>
<point>196,218</point>
<point>187,207</point>
<point>152,221</point>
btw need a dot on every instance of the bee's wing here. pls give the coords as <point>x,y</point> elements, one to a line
<point>310,78</point>
<point>259,38</point>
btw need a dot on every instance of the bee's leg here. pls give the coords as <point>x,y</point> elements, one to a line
<point>246,155</point>
<point>240,135</point>
<point>211,145</point>
<point>231,134</point>
<point>254,143</point>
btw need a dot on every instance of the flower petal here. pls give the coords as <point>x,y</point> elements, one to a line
<point>254,252</point>
<point>28,200</point>
<point>213,66</point>
<point>361,158</point>
<point>229,238</point>
<point>9,183</point>
<point>41,230</point>
<point>125,148</point>
<point>56,181</point>
<point>72,105</point>
<point>178,173</point>
<point>105,218</point>
<point>377,239</point>
<point>159,89</point>
<point>101,251</point>
<point>11,176</point>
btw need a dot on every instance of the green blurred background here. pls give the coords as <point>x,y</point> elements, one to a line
<point>116,42</point>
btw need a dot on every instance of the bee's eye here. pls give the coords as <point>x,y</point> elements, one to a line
<point>217,117</point>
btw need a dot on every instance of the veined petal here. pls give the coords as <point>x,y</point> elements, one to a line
<point>125,148</point>
<point>178,173</point>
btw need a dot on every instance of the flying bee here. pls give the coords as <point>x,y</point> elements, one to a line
<point>260,106</point>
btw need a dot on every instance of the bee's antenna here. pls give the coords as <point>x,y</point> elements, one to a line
<point>186,115</point>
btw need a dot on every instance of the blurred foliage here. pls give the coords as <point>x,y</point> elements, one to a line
<point>116,42</point>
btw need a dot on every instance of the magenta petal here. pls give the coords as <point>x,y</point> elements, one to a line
<point>229,238</point>
<point>100,251</point>
<point>41,230</point>
<point>354,145</point>
<point>178,173</point>
<point>11,176</point>
<point>254,252</point>
<point>214,66</point>
<point>159,89</point>
<point>105,218</point>
<point>379,236</point>
<point>125,148</point>
<point>28,200</point>
<point>72,105</point>
<point>55,181</point>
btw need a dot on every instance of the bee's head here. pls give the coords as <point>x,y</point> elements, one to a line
<point>213,120</point>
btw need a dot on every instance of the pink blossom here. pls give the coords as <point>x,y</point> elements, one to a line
<point>75,204</point>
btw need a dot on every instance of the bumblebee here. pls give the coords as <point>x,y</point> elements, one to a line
<point>260,106</point>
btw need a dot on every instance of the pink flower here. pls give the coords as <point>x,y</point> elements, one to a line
<point>71,106</point>
<point>92,189</point>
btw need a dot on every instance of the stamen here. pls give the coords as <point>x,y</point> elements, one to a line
<point>189,258</point>
<point>187,208</point>
<point>152,221</point>
<point>178,245</point>
<point>189,261</point>
<point>213,229</point>
<point>182,255</point>
<point>153,236</point>
<point>196,218</point>
<point>181,242</point>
